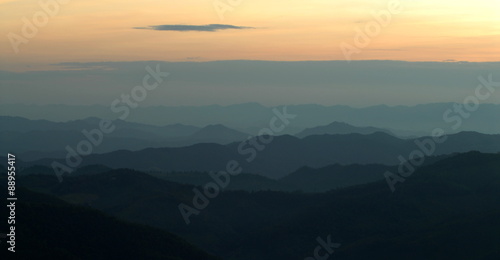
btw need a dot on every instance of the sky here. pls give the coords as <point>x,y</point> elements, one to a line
<point>287,30</point>
<point>90,51</point>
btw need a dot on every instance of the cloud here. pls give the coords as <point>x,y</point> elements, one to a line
<point>199,28</point>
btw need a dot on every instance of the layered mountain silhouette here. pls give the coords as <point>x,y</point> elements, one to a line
<point>340,128</point>
<point>218,134</point>
<point>36,139</point>
<point>321,178</point>
<point>335,176</point>
<point>305,179</point>
<point>286,154</point>
<point>415,120</point>
<point>51,228</point>
<point>452,202</point>
<point>123,128</point>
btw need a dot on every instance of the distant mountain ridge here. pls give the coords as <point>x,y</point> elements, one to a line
<point>218,133</point>
<point>286,154</point>
<point>23,125</point>
<point>335,176</point>
<point>35,139</point>
<point>415,120</point>
<point>340,128</point>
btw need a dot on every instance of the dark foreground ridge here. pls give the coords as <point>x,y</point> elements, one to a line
<point>451,204</point>
<point>49,228</point>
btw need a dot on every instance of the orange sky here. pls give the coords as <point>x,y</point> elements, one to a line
<point>85,31</point>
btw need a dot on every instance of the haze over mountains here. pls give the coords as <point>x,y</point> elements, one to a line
<point>41,138</point>
<point>37,139</point>
<point>359,83</point>
<point>307,180</point>
<point>327,180</point>
<point>286,153</point>
<point>250,117</point>
<point>247,181</point>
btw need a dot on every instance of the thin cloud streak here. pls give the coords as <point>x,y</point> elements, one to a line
<point>199,28</point>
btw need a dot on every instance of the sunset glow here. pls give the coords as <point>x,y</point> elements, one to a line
<point>84,31</point>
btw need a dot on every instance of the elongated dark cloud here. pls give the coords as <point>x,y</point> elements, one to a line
<point>200,28</point>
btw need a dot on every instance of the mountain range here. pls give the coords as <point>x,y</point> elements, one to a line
<point>286,154</point>
<point>36,139</point>
<point>340,128</point>
<point>415,120</point>
<point>452,202</point>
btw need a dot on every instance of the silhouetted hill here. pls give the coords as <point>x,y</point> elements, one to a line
<point>90,169</point>
<point>218,134</point>
<point>449,204</point>
<point>123,128</point>
<point>243,181</point>
<point>304,179</point>
<point>338,176</point>
<point>469,141</point>
<point>46,170</point>
<point>37,143</point>
<point>334,176</point>
<point>286,154</point>
<point>48,228</point>
<point>36,139</point>
<point>340,128</point>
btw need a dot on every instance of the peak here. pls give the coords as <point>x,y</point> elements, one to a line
<point>337,123</point>
<point>218,131</point>
<point>91,119</point>
<point>246,105</point>
<point>176,125</point>
<point>469,133</point>
<point>215,126</point>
